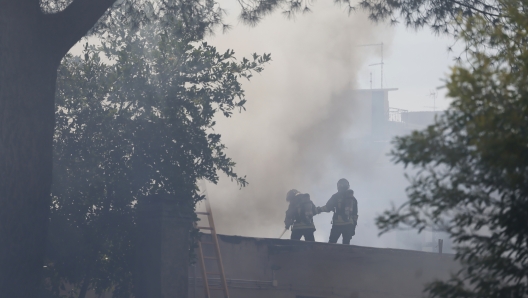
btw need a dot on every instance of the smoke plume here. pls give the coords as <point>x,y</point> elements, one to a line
<point>296,132</point>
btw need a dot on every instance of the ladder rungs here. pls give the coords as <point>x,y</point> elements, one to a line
<point>218,259</point>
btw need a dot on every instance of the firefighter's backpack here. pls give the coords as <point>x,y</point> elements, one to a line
<point>305,208</point>
<point>345,205</point>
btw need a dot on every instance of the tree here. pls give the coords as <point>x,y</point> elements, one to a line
<point>140,124</point>
<point>34,37</point>
<point>473,163</point>
<point>443,16</point>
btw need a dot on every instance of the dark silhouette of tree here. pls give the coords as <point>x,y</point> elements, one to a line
<point>140,124</point>
<point>473,163</point>
<point>443,16</point>
<point>34,37</point>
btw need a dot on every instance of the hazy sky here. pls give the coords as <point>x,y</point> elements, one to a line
<point>416,63</point>
<point>295,131</point>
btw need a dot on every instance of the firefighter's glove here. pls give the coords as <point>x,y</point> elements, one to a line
<point>355,218</point>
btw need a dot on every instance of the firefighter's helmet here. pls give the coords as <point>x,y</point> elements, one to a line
<point>343,185</point>
<point>291,193</point>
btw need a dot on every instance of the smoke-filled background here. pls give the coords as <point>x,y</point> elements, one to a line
<point>298,130</point>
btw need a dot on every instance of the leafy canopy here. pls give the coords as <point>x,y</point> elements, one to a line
<point>135,116</point>
<point>192,17</point>
<point>443,16</point>
<point>472,179</point>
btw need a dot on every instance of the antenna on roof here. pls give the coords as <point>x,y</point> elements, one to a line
<point>433,94</point>
<point>380,64</point>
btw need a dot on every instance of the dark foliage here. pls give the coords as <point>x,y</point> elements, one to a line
<point>196,17</point>
<point>135,116</point>
<point>473,164</point>
<point>443,16</point>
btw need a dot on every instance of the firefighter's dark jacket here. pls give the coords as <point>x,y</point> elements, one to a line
<point>295,215</point>
<point>337,203</point>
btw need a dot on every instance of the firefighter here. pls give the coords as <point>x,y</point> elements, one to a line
<point>299,215</point>
<point>344,205</point>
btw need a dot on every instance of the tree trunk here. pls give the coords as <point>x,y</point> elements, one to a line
<point>28,71</point>
<point>32,45</point>
<point>84,287</point>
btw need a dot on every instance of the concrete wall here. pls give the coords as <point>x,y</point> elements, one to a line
<point>423,118</point>
<point>371,113</point>
<point>321,270</point>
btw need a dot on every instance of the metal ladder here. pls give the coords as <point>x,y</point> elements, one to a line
<point>217,257</point>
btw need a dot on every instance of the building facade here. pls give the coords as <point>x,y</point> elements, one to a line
<point>263,268</point>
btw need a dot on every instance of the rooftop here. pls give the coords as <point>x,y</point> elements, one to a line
<point>264,267</point>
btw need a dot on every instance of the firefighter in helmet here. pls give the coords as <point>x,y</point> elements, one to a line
<point>299,215</point>
<point>344,205</point>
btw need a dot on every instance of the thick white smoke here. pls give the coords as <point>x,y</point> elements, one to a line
<point>296,130</point>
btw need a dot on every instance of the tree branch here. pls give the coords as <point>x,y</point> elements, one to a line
<point>476,9</point>
<point>67,27</point>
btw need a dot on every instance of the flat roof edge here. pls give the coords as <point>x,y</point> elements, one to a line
<point>384,89</point>
<point>275,241</point>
